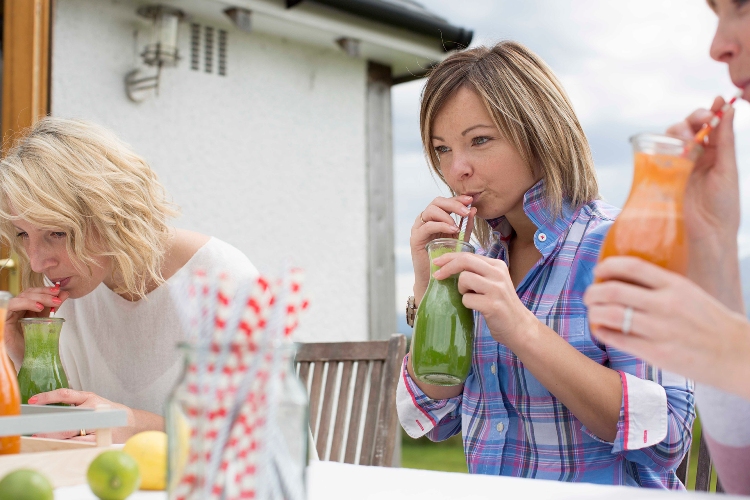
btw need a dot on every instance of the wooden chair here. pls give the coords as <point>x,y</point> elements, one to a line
<point>354,419</point>
<point>703,471</point>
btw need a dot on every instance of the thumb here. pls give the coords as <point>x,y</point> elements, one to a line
<point>724,136</point>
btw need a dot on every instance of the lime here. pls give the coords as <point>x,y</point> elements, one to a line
<point>113,475</point>
<point>149,449</point>
<point>25,484</point>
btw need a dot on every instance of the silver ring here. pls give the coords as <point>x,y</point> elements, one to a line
<point>627,320</point>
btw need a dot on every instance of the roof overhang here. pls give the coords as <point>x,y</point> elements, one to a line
<point>409,52</point>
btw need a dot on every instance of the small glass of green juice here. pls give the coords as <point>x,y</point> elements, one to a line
<point>42,370</point>
<point>444,328</point>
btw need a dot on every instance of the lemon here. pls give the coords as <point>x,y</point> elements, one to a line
<point>149,449</point>
<point>25,484</point>
<point>113,475</point>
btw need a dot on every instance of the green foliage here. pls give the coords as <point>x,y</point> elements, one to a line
<point>422,453</point>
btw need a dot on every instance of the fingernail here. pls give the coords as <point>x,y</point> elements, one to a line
<point>455,229</point>
<point>32,400</point>
<point>56,300</point>
<point>465,211</point>
<point>39,306</point>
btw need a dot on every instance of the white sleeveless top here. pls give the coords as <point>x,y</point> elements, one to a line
<point>125,351</point>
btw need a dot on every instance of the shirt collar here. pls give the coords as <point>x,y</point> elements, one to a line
<point>549,228</point>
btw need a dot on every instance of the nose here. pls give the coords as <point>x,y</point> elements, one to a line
<point>41,257</point>
<point>460,167</point>
<point>723,47</point>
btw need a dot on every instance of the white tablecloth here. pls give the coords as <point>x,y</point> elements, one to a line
<point>334,481</point>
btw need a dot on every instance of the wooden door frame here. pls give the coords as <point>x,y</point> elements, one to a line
<point>26,80</point>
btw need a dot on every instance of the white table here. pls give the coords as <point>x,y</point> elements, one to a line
<point>334,481</point>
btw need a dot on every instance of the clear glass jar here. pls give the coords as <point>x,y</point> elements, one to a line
<point>41,370</point>
<point>279,436</point>
<point>444,328</point>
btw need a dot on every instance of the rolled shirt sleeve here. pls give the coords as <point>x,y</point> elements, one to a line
<point>656,417</point>
<point>420,415</point>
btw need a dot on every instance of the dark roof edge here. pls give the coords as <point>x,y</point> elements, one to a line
<point>450,37</point>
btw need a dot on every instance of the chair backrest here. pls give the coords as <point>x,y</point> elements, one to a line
<point>702,471</point>
<point>353,420</point>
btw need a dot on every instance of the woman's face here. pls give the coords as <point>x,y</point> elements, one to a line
<point>48,255</point>
<point>731,44</point>
<point>476,160</point>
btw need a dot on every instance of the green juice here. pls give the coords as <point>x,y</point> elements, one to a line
<point>444,328</point>
<point>42,369</point>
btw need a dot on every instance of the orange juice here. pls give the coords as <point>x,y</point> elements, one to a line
<point>10,396</point>
<point>652,224</point>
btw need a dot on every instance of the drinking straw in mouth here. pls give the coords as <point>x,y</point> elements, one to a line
<point>52,310</point>
<point>462,236</point>
<point>700,137</point>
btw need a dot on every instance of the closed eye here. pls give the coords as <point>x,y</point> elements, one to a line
<point>59,234</point>
<point>22,235</point>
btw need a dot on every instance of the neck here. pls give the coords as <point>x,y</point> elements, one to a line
<point>523,227</point>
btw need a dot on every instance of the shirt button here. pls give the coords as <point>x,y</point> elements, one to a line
<point>542,237</point>
<point>500,427</point>
<point>492,368</point>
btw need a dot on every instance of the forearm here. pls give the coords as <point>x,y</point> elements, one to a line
<point>138,421</point>
<point>592,392</point>
<point>714,266</point>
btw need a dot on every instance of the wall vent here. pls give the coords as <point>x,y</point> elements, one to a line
<point>195,46</point>
<point>208,49</point>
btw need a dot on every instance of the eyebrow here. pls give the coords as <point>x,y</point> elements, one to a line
<point>465,131</point>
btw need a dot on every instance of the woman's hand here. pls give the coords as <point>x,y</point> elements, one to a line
<point>138,420</point>
<point>487,288</point>
<point>712,202</point>
<point>435,221</point>
<point>675,324</point>
<point>31,303</point>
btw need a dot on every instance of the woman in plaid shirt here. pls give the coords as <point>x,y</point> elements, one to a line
<point>543,399</point>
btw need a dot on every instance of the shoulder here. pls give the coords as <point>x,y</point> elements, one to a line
<point>600,216</point>
<point>220,256</point>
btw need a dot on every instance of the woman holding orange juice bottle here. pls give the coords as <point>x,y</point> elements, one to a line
<point>697,326</point>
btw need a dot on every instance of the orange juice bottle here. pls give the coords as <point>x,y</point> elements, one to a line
<point>10,396</point>
<point>651,225</point>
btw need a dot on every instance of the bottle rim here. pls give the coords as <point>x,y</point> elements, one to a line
<point>450,241</point>
<point>42,320</point>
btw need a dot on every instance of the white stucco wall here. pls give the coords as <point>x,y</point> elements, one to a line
<point>270,158</point>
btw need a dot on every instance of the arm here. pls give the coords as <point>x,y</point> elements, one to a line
<point>422,415</point>
<point>138,420</point>
<point>675,324</point>
<point>591,391</point>
<point>712,209</point>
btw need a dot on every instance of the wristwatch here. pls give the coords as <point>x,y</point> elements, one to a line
<point>411,311</point>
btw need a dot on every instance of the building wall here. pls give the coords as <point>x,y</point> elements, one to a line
<point>270,158</point>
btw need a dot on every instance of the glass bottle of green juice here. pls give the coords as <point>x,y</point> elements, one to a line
<point>444,328</point>
<point>42,370</point>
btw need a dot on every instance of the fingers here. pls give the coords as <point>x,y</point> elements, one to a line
<point>72,435</point>
<point>633,344</point>
<point>617,292</point>
<point>455,263</point>
<point>37,300</point>
<point>636,271</point>
<point>612,317</point>
<point>441,208</point>
<point>67,396</point>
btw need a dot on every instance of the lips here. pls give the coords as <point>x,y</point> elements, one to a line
<point>745,85</point>
<point>63,281</point>
<point>474,196</point>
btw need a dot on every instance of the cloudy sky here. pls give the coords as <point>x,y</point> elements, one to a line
<point>628,67</point>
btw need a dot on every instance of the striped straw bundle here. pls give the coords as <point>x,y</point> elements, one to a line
<point>232,384</point>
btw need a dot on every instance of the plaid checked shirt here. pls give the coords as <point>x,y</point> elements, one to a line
<point>511,424</point>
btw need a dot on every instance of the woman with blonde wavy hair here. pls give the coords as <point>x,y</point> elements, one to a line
<point>89,221</point>
<point>542,398</point>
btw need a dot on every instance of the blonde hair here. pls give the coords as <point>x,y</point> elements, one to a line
<point>80,178</point>
<point>529,107</point>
